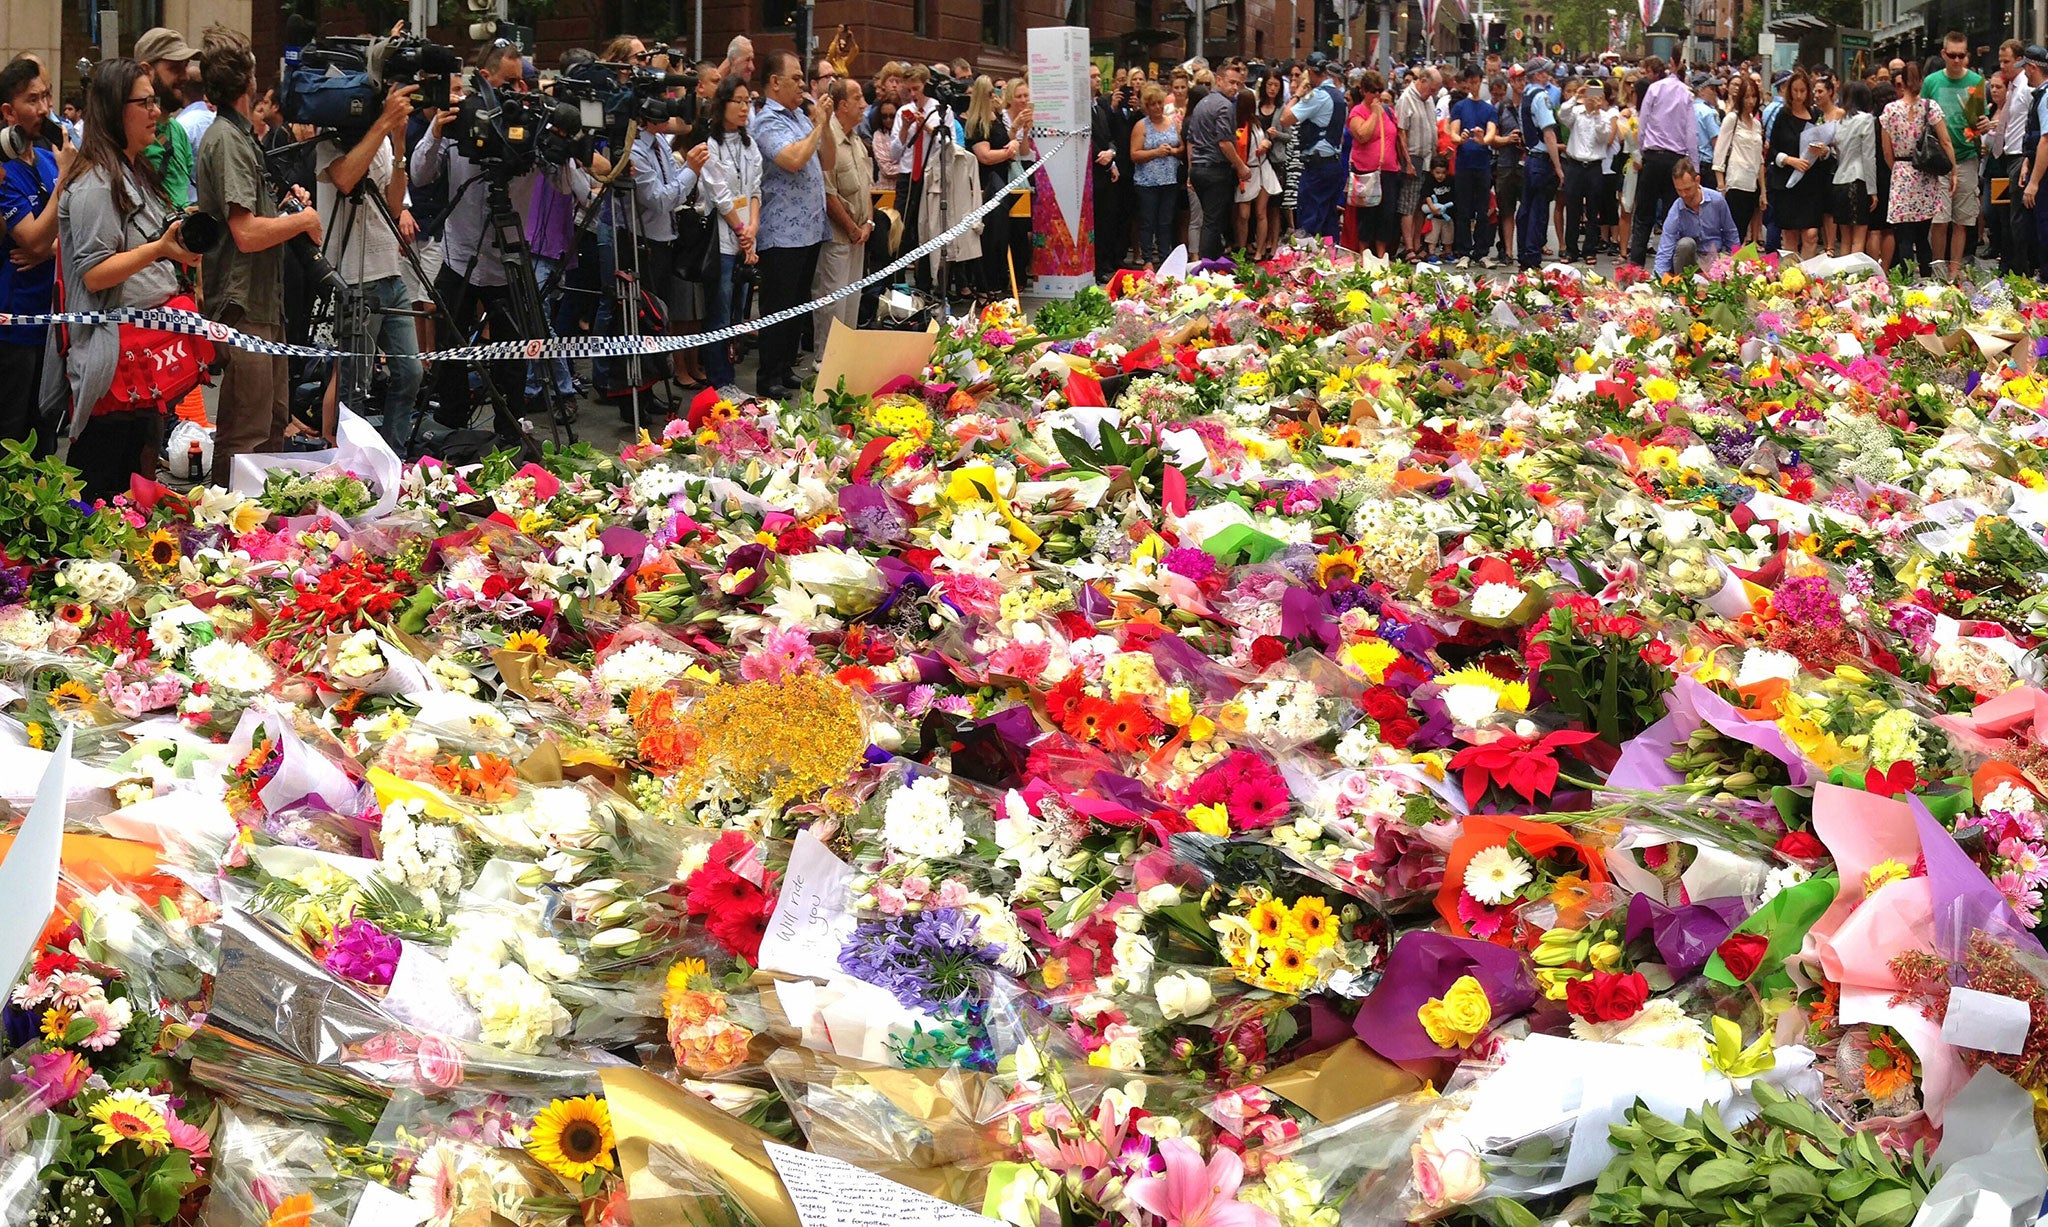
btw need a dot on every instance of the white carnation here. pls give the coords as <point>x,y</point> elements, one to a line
<point>232,666</point>
<point>637,665</point>
<point>1496,601</point>
<point>918,821</point>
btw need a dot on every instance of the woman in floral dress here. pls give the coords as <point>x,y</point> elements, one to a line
<point>1915,195</point>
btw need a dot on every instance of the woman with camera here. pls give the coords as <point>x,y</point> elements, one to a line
<point>118,239</point>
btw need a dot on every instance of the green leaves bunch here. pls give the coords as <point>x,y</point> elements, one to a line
<point>1794,1165</point>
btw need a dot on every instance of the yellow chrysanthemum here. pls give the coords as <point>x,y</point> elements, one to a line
<point>1510,696</point>
<point>131,1116</point>
<point>573,1137</point>
<point>1369,658</point>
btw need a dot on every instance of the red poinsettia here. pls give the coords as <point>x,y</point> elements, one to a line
<point>1527,766</point>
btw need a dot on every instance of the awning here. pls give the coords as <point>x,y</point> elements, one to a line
<point>1797,25</point>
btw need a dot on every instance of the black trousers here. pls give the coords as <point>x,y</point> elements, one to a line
<point>1582,183</point>
<point>1471,232</point>
<point>1654,195</point>
<point>1742,207</point>
<point>21,385</point>
<point>2014,221</point>
<point>467,303</point>
<point>1216,187</point>
<point>1113,212</point>
<point>786,274</point>
<point>112,447</point>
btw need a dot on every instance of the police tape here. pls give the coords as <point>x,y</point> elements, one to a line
<point>191,323</point>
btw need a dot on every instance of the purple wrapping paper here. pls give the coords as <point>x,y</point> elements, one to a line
<point>1692,704</point>
<point>1425,965</point>
<point>1964,899</point>
<point>1685,936</point>
<point>1303,612</point>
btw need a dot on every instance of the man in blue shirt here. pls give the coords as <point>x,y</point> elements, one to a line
<point>1699,223</point>
<point>1474,120</point>
<point>792,227</point>
<point>1317,117</point>
<point>1706,115</point>
<point>29,190</point>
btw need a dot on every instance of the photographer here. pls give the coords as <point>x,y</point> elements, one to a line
<point>663,181</point>
<point>30,189</point>
<point>472,279</point>
<point>111,205</point>
<point>792,211</point>
<point>244,277</point>
<point>919,123</point>
<point>365,252</point>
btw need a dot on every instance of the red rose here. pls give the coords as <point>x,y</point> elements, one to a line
<point>1743,953</point>
<point>1607,997</point>
<point>1383,703</point>
<point>1802,846</point>
<point>1268,650</point>
<point>1397,731</point>
<point>1657,652</point>
<point>1444,598</point>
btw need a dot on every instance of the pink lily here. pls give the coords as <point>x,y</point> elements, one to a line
<point>1194,1194</point>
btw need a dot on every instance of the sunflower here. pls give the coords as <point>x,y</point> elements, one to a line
<point>70,696</point>
<point>131,1116</point>
<point>573,1137</point>
<point>527,641</point>
<point>159,552</point>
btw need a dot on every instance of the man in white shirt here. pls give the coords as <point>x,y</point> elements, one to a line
<point>1591,125</point>
<point>2016,248</point>
<point>365,252</point>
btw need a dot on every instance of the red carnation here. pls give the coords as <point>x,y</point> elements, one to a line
<point>1743,953</point>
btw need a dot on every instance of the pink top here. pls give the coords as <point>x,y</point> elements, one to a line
<point>1380,148</point>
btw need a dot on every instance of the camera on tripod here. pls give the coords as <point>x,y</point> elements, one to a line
<point>518,133</point>
<point>948,93</point>
<point>339,84</point>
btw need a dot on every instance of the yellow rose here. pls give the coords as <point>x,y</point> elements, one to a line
<point>1210,819</point>
<point>1456,1019</point>
<point>1606,956</point>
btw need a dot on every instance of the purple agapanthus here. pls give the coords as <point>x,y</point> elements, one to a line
<point>927,960</point>
<point>363,952</point>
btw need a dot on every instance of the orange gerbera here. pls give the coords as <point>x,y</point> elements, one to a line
<point>293,1211</point>
<point>1887,1068</point>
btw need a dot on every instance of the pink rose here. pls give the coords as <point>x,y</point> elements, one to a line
<point>439,1061</point>
<point>1446,1173</point>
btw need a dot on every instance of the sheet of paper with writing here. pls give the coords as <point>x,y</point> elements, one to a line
<point>829,1192</point>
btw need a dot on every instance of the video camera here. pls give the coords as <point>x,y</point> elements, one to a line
<point>948,93</point>
<point>339,84</point>
<point>519,132</point>
<point>609,97</point>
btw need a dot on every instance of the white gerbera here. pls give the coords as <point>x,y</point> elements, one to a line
<point>1496,875</point>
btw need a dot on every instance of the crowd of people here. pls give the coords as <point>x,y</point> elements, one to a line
<point>1494,164</point>
<point>779,182</point>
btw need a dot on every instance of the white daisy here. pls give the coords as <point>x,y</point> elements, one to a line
<point>1496,875</point>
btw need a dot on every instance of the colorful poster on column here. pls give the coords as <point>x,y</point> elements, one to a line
<point>1063,238</point>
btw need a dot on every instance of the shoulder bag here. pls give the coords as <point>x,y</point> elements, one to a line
<point>1362,189</point>
<point>1930,158</point>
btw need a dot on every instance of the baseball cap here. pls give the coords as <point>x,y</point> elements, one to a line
<point>2035,54</point>
<point>1539,64</point>
<point>163,44</point>
<point>1318,62</point>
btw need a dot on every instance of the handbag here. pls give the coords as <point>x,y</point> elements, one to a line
<point>157,369</point>
<point>1929,156</point>
<point>696,243</point>
<point>1362,187</point>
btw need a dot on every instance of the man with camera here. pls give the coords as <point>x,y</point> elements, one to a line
<point>34,179</point>
<point>168,58</point>
<point>792,210</point>
<point>472,281</point>
<point>243,277</point>
<point>365,251</point>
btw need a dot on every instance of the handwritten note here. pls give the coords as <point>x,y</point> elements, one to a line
<point>812,917</point>
<point>829,1192</point>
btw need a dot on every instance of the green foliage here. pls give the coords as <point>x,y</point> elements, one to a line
<point>1076,317</point>
<point>41,504</point>
<point>1794,1165</point>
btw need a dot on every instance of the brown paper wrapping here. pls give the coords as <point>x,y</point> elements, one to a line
<point>673,1145</point>
<point>1332,1084</point>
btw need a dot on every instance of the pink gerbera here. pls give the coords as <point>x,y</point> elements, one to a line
<point>1258,802</point>
<point>187,1137</point>
<point>1194,1194</point>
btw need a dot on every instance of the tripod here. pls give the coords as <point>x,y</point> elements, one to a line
<point>529,318</point>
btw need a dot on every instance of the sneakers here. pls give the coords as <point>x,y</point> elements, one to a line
<point>1464,262</point>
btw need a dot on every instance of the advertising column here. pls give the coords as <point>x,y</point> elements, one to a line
<point>1062,213</point>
